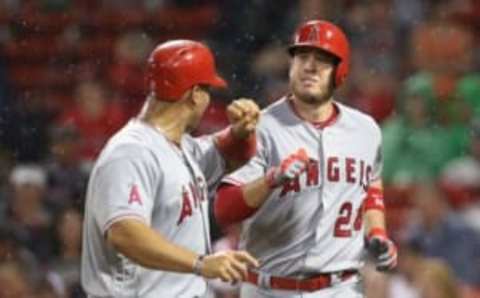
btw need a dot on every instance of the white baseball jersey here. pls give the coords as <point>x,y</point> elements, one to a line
<point>311,224</point>
<point>141,175</point>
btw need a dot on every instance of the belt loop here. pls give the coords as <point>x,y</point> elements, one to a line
<point>335,278</point>
<point>264,280</point>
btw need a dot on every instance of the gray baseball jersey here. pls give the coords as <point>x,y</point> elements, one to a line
<point>313,223</point>
<point>141,175</point>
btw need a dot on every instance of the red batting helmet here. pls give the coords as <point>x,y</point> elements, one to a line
<point>327,37</point>
<point>177,65</point>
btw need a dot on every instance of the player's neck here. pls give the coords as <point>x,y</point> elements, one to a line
<point>315,113</point>
<point>165,118</point>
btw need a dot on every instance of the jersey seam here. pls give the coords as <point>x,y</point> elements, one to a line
<point>134,158</point>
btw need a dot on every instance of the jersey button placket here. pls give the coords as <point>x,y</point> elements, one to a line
<point>320,134</point>
<point>321,171</point>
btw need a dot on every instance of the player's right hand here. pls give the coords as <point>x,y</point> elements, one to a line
<point>229,266</point>
<point>243,115</point>
<point>290,168</point>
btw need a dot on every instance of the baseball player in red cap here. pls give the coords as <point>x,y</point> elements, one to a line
<point>146,231</point>
<point>311,200</point>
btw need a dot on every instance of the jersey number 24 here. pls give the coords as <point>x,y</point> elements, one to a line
<point>343,225</point>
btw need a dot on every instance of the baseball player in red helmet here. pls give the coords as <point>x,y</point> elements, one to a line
<point>311,200</point>
<point>146,230</point>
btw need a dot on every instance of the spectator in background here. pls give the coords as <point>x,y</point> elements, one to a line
<point>270,66</point>
<point>443,51</point>
<point>27,216</point>
<point>375,59</point>
<point>373,92</point>
<point>46,290</point>
<point>437,281</point>
<point>436,103</point>
<point>5,95</point>
<point>25,127</point>
<point>468,90</point>
<point>126,74</point>
<point>56,5</point>
<point>6,164</point>
<point>68,234</point>
<point>409,136</point>
<point>442,46</point>
<point>420,277</point>
<point>95,117</point>
<point>370,26</point>
<point>439,232</point>
<point>13,283</point>
<point>12,251</point>
<point>66,180</point>
<point>408,13</point>
<point>460,179</point>
<point>233,33</point>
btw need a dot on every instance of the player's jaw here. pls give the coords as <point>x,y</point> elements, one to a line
<point>311,92</point>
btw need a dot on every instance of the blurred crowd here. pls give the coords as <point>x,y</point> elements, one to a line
<point>71,74</point>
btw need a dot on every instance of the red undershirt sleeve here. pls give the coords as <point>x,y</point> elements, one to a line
<point>230,206</point>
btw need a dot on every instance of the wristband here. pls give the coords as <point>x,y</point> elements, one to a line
<point>374,199</point>
<point>377,232</point>
<point>239,149</point>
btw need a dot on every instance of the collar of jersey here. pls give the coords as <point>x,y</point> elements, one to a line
<point>320,124</point>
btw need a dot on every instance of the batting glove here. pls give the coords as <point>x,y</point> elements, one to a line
<point>290,168</point>
<point>382,249</point>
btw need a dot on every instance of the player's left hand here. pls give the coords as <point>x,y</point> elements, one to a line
<point>243,116</point>
<point>382,249</point>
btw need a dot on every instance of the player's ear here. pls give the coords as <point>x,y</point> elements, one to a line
<point>193,96</point>
<point>188,96</point>
<point>198,94</point>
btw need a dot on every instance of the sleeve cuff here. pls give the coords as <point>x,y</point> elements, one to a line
<point>119,217</point>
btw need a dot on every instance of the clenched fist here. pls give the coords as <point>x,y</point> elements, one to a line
<point>243,116</point>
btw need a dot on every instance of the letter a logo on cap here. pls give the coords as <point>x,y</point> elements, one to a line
<point>313,34</point>
<point>134,196</point>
